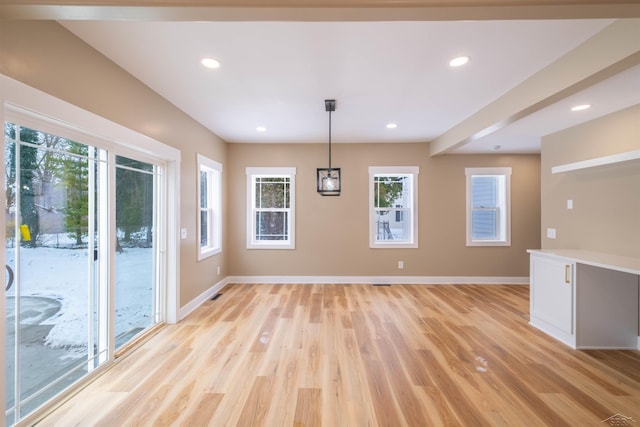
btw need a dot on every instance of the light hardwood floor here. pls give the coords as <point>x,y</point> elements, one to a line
<point>359,355</point>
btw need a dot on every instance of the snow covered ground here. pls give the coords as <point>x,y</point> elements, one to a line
<point>63,275</point>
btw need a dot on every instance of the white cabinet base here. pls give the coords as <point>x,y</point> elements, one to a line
<point>554,331</point>
<point>584,302</point>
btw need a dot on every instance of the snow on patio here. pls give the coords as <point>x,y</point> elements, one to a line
<point>62,274</point>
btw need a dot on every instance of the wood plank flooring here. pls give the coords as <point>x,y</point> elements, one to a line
<point>360,355</point>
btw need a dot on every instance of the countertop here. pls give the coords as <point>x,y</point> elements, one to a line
<point>596,259</point>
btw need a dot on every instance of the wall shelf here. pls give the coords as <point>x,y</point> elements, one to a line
<point>598,161</point>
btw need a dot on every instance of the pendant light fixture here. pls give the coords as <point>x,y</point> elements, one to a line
<point>328,179</point>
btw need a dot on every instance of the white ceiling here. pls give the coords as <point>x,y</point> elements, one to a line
<point>278,74</point>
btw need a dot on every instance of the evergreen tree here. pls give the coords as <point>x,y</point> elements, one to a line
<point>76,180</point>
<point>134,199</point>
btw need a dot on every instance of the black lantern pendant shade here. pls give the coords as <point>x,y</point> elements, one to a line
<point>328,179</point>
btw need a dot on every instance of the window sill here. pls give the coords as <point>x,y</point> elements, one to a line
<point>208,253</point>
<point>489,243</point>
<point>271,246</point>
<point>403,245</point>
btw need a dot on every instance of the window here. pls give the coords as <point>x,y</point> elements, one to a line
<point>209,218</point>
<point>488,206</point>
<point>393,201</point>
<point>271,208</point>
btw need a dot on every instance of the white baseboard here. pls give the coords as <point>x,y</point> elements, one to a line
<point>200,299</point>
<point>392,280</point>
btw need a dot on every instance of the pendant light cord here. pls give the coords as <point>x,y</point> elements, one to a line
<point>329,139</point>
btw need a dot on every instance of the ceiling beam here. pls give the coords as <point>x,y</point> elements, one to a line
<point>611,51</point>
<point>317,10</point>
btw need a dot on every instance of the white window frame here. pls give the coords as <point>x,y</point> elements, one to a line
<point>504,206</point>
<point>270,172</point>
<point>412,210</point>
<point>213,209</point>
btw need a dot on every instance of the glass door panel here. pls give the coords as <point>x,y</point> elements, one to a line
<point>50,250</point>
<point>136,306</point>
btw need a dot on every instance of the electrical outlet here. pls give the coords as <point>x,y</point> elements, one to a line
<point>183,233</point>
<point>400,265</point>
<point>569,204</point>
<point>551,233</point>
<point>219,270</point>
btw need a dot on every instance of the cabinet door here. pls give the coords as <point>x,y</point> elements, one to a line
<point>552,292</point>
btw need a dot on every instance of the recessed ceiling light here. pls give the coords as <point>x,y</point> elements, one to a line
<point>261,129</point>
<point>392,125</point>
<point>581,107</point>
<point>210,63</point>
<point>459,61</point>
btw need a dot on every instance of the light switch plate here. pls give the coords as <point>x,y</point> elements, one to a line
<point>551,233</point>
<point>183,233</point>
<point>569,204</point>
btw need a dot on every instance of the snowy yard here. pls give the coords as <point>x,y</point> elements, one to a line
<point>62,275</point>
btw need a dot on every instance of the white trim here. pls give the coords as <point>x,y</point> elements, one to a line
<point>393,280</point>
<point>412,171</point>
<point>202,298</point>
<point>53,110</point>
<point>211,164</point>
<point>251,172</point>
<point>172,288</point>
<point>394,170</point>
<point>214,171</point>
<point>488,171</point>
<point>3,238</point>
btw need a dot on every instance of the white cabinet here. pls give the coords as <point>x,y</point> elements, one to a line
<point>586,299</point>
<point>551,297</point>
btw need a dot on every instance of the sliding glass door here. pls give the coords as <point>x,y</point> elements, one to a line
<point>82,261</point>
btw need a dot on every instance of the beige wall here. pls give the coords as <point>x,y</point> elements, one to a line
<point>606,214</point>
<point>44,55</point>
<point>332,232</point>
